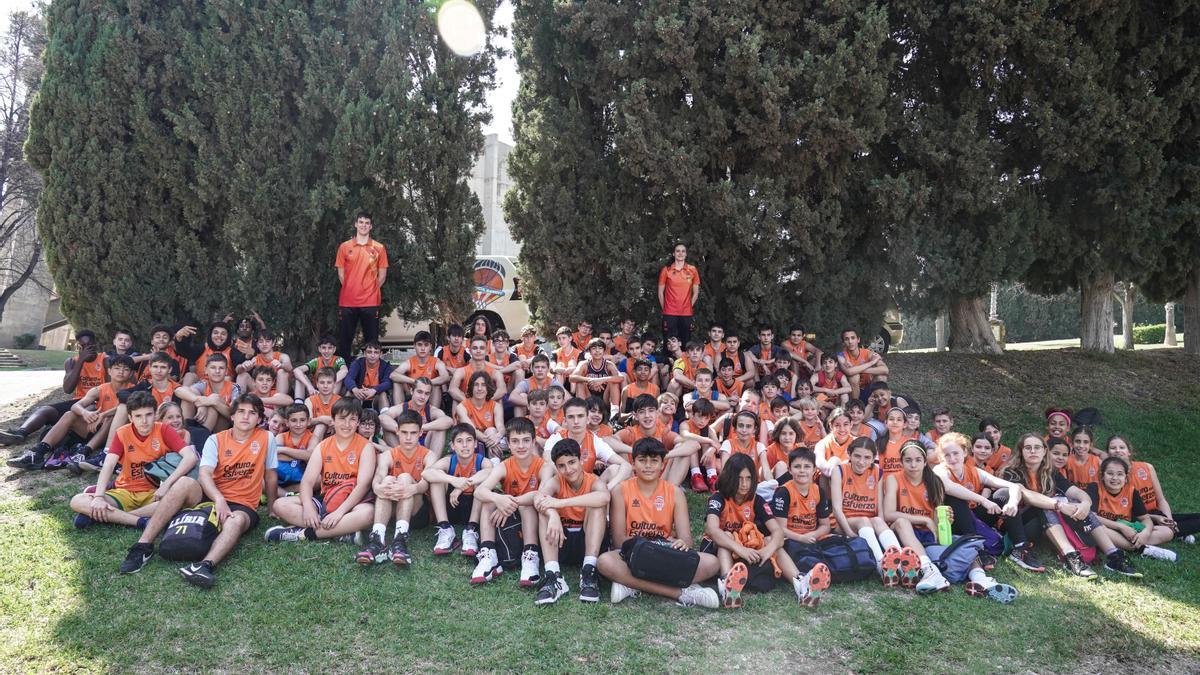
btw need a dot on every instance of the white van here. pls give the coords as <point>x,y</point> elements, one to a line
<point>496,295</point>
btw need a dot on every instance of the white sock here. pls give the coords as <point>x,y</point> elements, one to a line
<point>867,534</point>
<point>552,566</point>
<point>980,577</point>
<point>926,562</point>
<point>887,539</point>
<point>712,472</point>
<point>379,529</point>
<point>695,471</point>
<point>589,560</point>
<point>401,527</point>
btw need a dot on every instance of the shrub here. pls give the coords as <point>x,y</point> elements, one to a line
<point>1149,334</point>
<point>24,340</point>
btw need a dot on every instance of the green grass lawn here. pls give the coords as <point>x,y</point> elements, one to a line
<point>307,607</point>
<point>41,359</point>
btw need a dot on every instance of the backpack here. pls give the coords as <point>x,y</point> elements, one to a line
<point>190,534</point>
<point>1088,553</point>
<point>454,462</point>
<point>509,543</point>
<point>653,560</point>
<point>161,469</point>
<point>847,559</point>
<point>955,561</point>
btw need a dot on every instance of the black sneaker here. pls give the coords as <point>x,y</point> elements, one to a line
<point>11,436</point>
<point>375,552</point>
<point>987,561</point>
<point>139,554</point>
<point>1023,557</point>
<point>93,462</point>
<point>1075,565</point>
<point>198,574</point>
<point>399,550</point>
<point>589,584</point>
<point>551,589</point>
<point>1117,562</point>
<point>31,459</point>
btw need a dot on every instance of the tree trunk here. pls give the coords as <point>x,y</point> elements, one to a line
<point>1191,315</point>
<point>1126,293</point>
<point>1096,313</point>
<point>969,328</point>
<point>1169,338</point>
<point>939,331</point>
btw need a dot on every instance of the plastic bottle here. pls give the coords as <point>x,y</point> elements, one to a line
<point>944,534</point>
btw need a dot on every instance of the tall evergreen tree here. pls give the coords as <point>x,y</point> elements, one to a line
<point>743,129</point>
<point>243,137</point>
<point>1098,126</point>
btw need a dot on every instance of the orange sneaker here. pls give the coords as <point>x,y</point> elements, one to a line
<point>889,566</point>
<point>812,586</point>
<point>733,584</point>
<point>910,567</point>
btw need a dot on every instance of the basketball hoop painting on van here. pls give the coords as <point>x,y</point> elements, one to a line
<point>489,283</point>
<point>461,26</point>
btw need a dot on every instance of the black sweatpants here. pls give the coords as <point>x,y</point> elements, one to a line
<point>349,319</point>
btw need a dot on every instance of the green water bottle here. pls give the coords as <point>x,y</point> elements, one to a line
<point>944,535</point>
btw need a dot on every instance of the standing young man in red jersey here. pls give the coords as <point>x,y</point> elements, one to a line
<point>362,266</point>
<point>678,288</point>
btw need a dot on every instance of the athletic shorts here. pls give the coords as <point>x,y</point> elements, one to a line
<point>461,514</point>
<point>926,537</point>
<point>130,501</point>
<point>574,546</point>
<point>242,508</point>
<point>290,472</point>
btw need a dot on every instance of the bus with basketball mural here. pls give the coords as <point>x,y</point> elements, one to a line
<point>496,295</point>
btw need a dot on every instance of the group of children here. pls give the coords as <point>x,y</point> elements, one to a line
<point>526,459</point>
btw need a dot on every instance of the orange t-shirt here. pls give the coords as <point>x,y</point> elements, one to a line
<point>811,434</point>
<point>453,359</point>
<point>469,371</point>
<point>482,417</point>
<point>412,464</point>
<point>776,454</point>
<point>162,396</point>
<point>634,390</point>
<point>107,398</point>
<point>860,493</point>
<point>572,516</point>
<point>264,359</point>
<point>677,288</point>
<point>1140,477</point>
<point>285,440</point>
<point>241,466</point>
<point>864,355</point>
<point>912,499</point>
<point>730,391</point>
<point>750,448</point>
<point>832,448</point>
<point>416,369</point>
<point>91,375</point>
<point>202,362</point>
<point>652,517</point>
<point>998,459</point>
<point>632,434</point>
<point>970,480</point>
<point>1082,475</point>
<point>802,511</point>
<point>889,461</point>
<point>136,453</point>
<point>321,408</point>
<point>565,355</point>
<point>518,482</point>
<point>1115,507</point>
<point>226,392</point>
<point>360,265</point>
<point>340,467</point>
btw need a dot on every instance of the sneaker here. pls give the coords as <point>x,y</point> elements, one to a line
<point>136,558</point>
<point>1118,563</point>
<point>11,436</point>
<point>812,586</point>
<point>620,591</point>
<point>1190,540</point>
<point>375,551</point>
<point>698,483</point>
<point>32,459</point>
<point>73,464</point>
<point>93,462</point>
<point>1024,558</point>
<point>730,587</point>
<point>470,542</point>
<point>399,550</point>
<point>1001,593</point>
<point>1075,565</point>
<point>589,584</point>
<point>530,564</point>
<point>1158,553</point>
<point>198,574</point>
<point>987,561</point>
<point>447,541</point>
<point>901,567</point>
<point>488,567</point>
<point>932,580</point>
<point>552,588</point>
<point>699,596</point>
<point>142,522</point>
<point>284,533</point>
<point>82,522</point>
<point>57,460</point>
<point>712,483</point>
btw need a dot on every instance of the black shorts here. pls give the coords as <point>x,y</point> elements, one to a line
<point>574,546</point>
<point>253,513</point>
<point>461,514</point>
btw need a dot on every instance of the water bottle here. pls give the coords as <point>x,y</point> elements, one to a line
<point>944,534</point>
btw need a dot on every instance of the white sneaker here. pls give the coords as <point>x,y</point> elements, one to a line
<point>446,541</point>
<point>470,542</point>
<point>531,564</point>
<point>284,533</point>
<point>1190,539</point>
<point>932,580</point>
<point>1159,553</point>
<point>721,587</point>
<point>488,567</point>
<point>620,592</point>
<point>800,585</point>
<point>699,596</point>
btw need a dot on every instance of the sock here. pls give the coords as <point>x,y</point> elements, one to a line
<point>712,473</point>
<point>142,522</point>
<point>867,534</point>
<point>552,566</point>
<point>980,577</point>
<point>310,534</point>
<point>529,547</point>
<point>379,529</point>
<point>887,539</point>
<point>926,562</point>
<point>695,471</point>
<point>443,524</point>
<point>474,527</point>
<point>1110,551</point>
<point>401,527</point>
<point>589,560</point>
<point>210,563</point>
<point>487,544</point>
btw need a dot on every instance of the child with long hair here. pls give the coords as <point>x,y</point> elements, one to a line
<point>834,448</point>
<point>784,439</point>
<point>1083,468</point>
<point>856,493</point>
<point>1121,509</point>
<point>1145,481</point>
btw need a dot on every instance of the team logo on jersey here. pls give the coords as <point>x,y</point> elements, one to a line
<point>1124,502</point>
<point>636,502</point>
<point>871,481</point>
<point>351,457</point>
<point>1143,474</point>
<point>254,447</point>
<point>329,459</point>
<point>660,503</point>
<point>154,444</point>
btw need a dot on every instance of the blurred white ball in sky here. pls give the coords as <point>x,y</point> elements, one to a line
<point>461,27</point>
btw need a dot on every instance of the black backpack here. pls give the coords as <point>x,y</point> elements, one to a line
<point>190,534</point>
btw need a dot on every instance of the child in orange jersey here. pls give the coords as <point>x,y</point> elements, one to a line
<point>340,470</point>
<point>1120,508</point>
<point>1001,453</point>
<point>1145,481</point>
<point>422,364</point>
<point>811,428</point>
<point>483,412</point>
<point>400,487</point>
<point>861,365</point>
<point>943,423</point>
<point>326,358</point>
<point>802,510</point>
<point>1083,468</point>
<point>320,404</point>
<point>829,384</point>
<point>566,357</point>
<point>518,478</point>
<point>834,448</point>
<point>648,507</point>
<point>573,511</point>
<point>294,445</point>
<point>452,482</point>
<point>209,401</point>
<point>856,495</point>
<point>269,357</point>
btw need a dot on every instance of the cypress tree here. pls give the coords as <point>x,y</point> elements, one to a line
<point>743,129</point>
<point>266,126</point>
